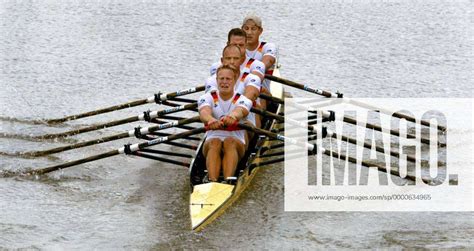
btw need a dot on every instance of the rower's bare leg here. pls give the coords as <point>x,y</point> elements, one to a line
<point>212,151</point>
<point>233,151</point>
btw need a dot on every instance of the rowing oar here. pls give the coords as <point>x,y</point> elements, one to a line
<point>313,149</point>
<point>331,116</point>
<point>325,132</point>
<point>355,102</point>
<point>127,149</point>
<point>146,116</point>
<point>158,98</point>
<point>137,132</point>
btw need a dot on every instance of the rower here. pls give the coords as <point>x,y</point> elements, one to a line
<point>248,86</point>
<point>248,65</point>
<point>219,110</point>
<point>260,50</point>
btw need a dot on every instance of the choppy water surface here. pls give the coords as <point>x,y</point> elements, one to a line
<point>62,58</point>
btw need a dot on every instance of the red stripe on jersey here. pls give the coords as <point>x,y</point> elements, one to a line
<point>215,98</point>
<point>236,97</point>
<point>260,48</point>
<point>249,63</point>
<point>244,75</point>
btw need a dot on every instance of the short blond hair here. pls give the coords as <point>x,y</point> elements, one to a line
<point>228,67</point>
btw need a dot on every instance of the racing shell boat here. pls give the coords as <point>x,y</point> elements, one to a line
<point>209,200</point>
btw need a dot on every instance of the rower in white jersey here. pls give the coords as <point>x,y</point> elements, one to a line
<point>232,55</point>
<point>219,110</point>
<point>263,51</point>
<point>248,65</point>
<point>249,87</point>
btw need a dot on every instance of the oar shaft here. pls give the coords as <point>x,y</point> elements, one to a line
<point>145,130</point>
<point>77,145</point>
<point>369,164</point>
<point>180,93</point>
<point>300,86</point>
<point>370,146</point>
<point>89,128</point>
<point>334,135</point>
<point>146,116</point>
<point>160,97</point>
<point>280,137</point>
<point>97,112</point>
<point>155,151</point>
<point>394,114</point>
<point>391,131</point>
<point>153,157</point>
<point>355,102</point>
<point>127,149</point>
<point>354,122</point>
<point>73,163</point>
<point>136,147</point>
<point>282,119</point>
<point>311,148</point>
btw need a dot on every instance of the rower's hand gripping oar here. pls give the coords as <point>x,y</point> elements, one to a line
<point>355,102</point>
<point>127,149</point>
<point>157,98</point>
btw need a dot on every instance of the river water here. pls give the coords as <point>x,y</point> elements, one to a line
<point>60,58</point>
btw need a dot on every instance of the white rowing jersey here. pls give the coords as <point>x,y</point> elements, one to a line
<point>249,80</point>
<point>264,49</point>
<point>221,108</point>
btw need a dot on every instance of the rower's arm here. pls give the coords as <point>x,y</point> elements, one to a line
<point>205,103</point>
<point>205,114</point>
<point>270,53</point>
<point>251,92</point>
<point>253,84</point>
<point>239,113</point>
<point>268,61</point>
<point>258,68</point>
